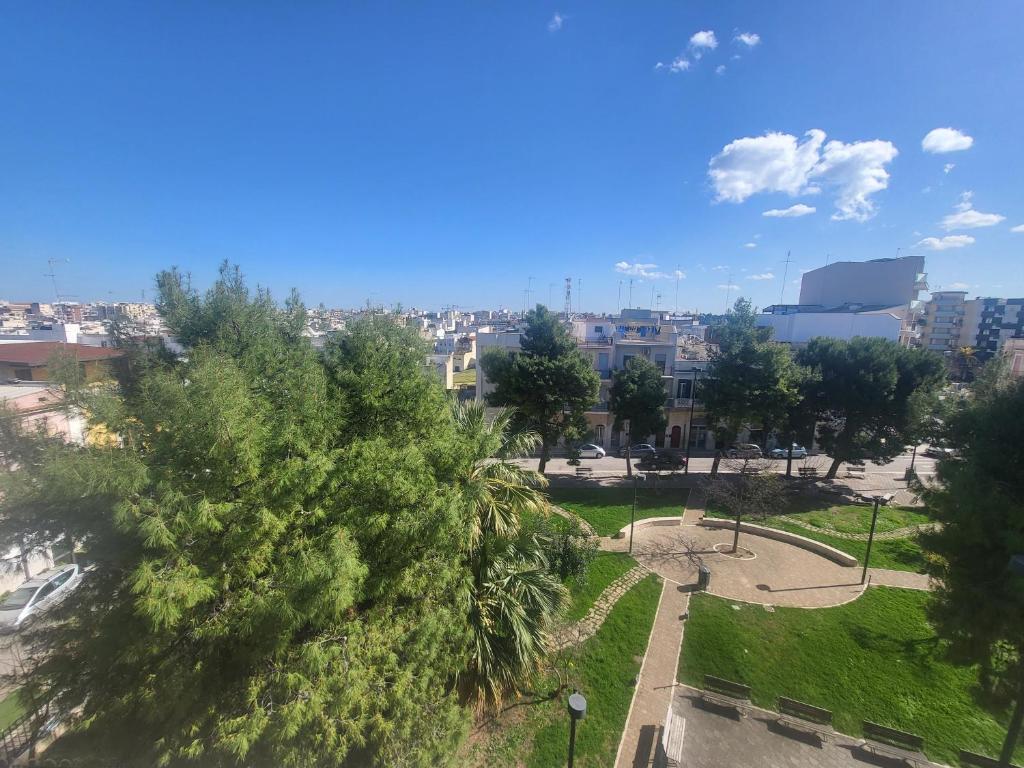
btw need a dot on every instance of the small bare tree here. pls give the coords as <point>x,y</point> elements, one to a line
<point>751,489</point>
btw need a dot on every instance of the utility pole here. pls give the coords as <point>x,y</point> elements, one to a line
<point>785,274</point>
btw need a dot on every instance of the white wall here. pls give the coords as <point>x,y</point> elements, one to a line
<point>801,327</point>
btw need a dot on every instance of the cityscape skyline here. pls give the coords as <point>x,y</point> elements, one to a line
<point>445,157</point>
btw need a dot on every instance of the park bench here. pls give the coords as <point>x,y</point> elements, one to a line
<point>857,472</point>
<point>973,760</point>
<point>807,471</point>
<point>799,716</point>
<point>890,742</point>
<point>584,471</point>
<point>672,737</point>
<point>726,693</point>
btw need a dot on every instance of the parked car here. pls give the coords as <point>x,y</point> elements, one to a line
<point>37,596</point>
<point>662,461</point>
<point>591,451</point>
<point>939,452</point>
<point>638,450</point>
<point>799,452</point>
<point>744,451</point>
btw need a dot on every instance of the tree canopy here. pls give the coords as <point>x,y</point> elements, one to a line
<point>637,396</point>
<point>979,600</point>
<point>283,542</point>
<point>870,396</point>
<point>550,383</point>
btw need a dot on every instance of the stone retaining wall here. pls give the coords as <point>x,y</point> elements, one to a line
<point>811,545</point>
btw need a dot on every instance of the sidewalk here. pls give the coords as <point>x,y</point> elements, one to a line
<point>657,681</point>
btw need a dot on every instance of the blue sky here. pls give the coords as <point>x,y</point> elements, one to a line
<point>444,155</point>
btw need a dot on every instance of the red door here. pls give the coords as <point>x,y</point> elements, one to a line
<point>676,437</point>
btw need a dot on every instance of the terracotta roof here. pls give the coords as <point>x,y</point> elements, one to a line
<point>36,353</point>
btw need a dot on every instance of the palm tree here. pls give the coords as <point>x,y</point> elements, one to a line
<point>514,595</point>
<point>966,362</point>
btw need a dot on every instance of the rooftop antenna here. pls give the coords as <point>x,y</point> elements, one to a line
<point>52,274</point>
<point>728,290</point>
<point>676,310</point>
<point>579,295</point>
<point>785,274</point>
<point>568,298</point>
<point>618,304</point>
<point>529,288</point>
<point>631,293</point>
<point>652,296</point>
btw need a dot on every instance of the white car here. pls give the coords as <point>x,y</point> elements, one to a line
<point>37,595</point>
<point>591,451</point>
<point>799,452</point>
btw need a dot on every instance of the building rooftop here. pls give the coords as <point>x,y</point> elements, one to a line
<point>35,353</point>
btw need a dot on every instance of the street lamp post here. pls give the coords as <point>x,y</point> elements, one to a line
<point>871,536</point>
<point>689,427</point>
<point>577,711</point>
<point>632,517</point>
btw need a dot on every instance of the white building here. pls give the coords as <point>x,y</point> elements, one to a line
<point>799,327</point>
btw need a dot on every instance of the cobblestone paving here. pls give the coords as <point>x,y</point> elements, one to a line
<point>585,628</point>
<point>897,533</point>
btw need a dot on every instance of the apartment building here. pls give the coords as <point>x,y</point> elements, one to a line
<point>671,344</point>
<point>950,321</point>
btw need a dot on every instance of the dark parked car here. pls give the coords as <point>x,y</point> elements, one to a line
<point>638,450</point>
<point>662,461</point>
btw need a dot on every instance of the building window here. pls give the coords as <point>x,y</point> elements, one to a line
<point>599,329</point>
<point>626,359</point>
<point>683,388</point>
<point>599,435</point>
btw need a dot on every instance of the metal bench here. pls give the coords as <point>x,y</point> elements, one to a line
<point>807,471</point>
<point>799,716</point>
<point>584,471</point>
<point>890,742</point>
<point>726,693</point>
<point>857,472</point>
<point>974,760</point>
<point>672,737</point>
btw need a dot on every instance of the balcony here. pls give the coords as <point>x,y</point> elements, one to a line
<point>683,402</point>
<point>600,407</point>
<point>600,341</point>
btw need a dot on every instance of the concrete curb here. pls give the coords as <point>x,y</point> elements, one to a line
<point>648,521</point>
<point>811,545</point>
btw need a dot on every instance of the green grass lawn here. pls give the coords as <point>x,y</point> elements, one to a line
<point>873,659</point>
<point>11,709</point>
<point>854,518</point>
<point>898,554</point>
<point>536,734</point>
<point>467,376</point>
<point>608,509</point>
<point>605,568</point>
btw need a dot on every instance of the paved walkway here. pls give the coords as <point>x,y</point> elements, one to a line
<point>883,577</point>
<point>585,628</point>
<point>716,739</point>
<point>653,693</point>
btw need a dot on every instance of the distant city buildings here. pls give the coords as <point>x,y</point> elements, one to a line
<point>951,321</point>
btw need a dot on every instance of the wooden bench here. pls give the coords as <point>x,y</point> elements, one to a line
<point>901,745</point>
<point>799,716</point>
<point>807,471</point>
<point>726,693</point>
<point>857,472</point>
<point>672,737</point>
<point>584,471</point>
<point>973,760</point>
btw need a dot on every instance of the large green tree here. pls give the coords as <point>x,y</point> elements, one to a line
<point>870,396</point>
<point>751,382</point>
<point>637,396</point>
<point>979,598</point>
<point>280,539</point>
<point>550,383</point>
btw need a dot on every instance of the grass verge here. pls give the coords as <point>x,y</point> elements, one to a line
<point>605,568</point>
<point>11,708</point>
<point>608,509</point>
<point>535,734</point>
<point>902,554</point>
<point>875,659</point>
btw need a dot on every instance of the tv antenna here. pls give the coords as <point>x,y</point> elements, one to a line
<point>52,274</point>
<point>568,298</point>
<point>785,274</point>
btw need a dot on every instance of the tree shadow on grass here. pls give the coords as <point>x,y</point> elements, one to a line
<point>920,651</point>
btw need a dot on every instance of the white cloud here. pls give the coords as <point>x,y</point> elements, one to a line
<point>948,167</point>
<point>677,65</point>
<point>959,286</point>
<point>778,162</point>
<point>945,243</point>
<point>968,218</point>
<point>719,268</point>
<point>556,22</point>
<point>750,245</point>
<point>728,287</point>
<point>702,41</point>
<point>790,213</point>
<point>648,271</point>
<point>749,39</point>
<point>720,69</point>
<point>1019,228</point>
<point>761,276</point>
<point>938,141</point>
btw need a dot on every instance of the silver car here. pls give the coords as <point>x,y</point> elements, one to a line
<point>591,451</point>
<point>799,452</point>
<point>36,596</point>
